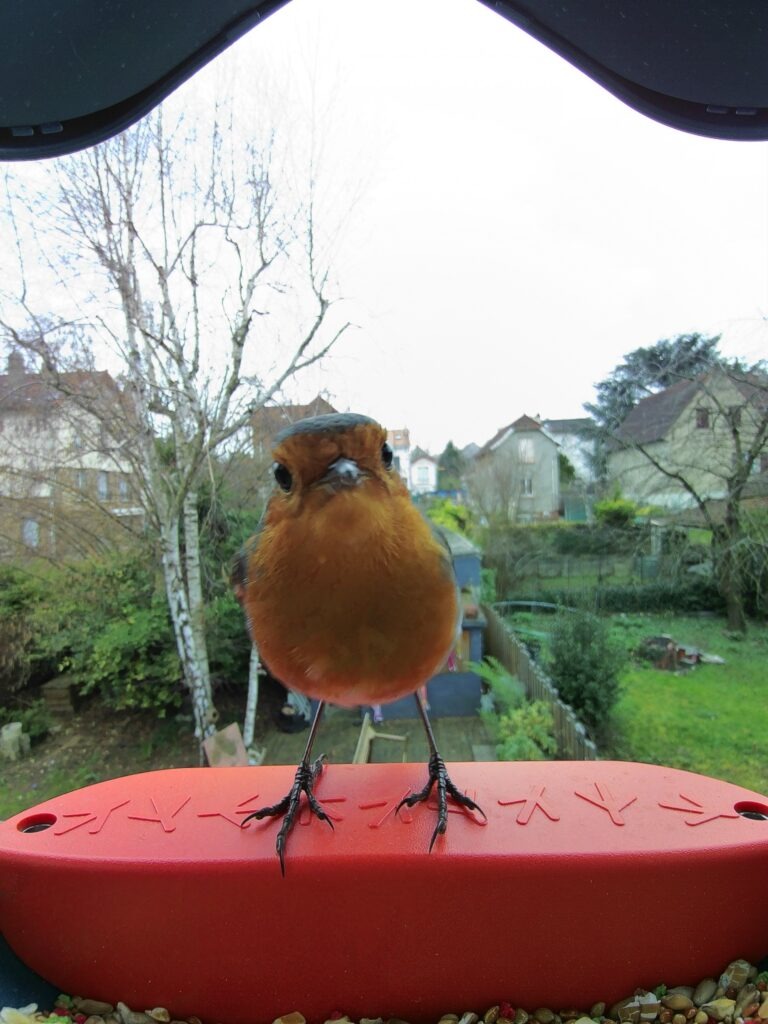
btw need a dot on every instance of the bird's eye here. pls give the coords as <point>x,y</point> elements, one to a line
<point>283,477</point>
<point>387,455</point>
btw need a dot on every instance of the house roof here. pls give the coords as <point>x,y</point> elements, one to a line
<point>419,453</point>
<point>573,426</point>
<point>653,417</point>
<point>268,421</point>
<point>526,423</point>
<point>523,422</point>
<point>21,390</point>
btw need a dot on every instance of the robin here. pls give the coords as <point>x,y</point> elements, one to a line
<point>348,591</point>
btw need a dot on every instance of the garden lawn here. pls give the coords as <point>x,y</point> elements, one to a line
<point>712,719</point>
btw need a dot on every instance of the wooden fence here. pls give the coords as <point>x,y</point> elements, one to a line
<point>572,740</point>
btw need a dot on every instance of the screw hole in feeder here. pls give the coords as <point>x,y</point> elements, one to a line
<point>40,822</point>
<point>749,809</point>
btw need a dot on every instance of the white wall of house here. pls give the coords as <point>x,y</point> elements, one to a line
<point>423,476</point>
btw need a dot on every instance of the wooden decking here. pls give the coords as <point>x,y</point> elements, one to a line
<point>458,739</point>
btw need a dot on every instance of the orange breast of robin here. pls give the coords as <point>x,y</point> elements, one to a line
<point>350,597</point>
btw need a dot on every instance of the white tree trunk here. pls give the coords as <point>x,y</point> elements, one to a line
<point>253,698</point>
<point>195,591</point>
<point>178,603</point>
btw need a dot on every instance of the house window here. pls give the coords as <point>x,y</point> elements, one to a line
<point>102,486</point>
<point>123,489</point>
<point>82,481</point>
<point>526,487</point>
<point>422,476</point>
<point>702,419</point>
<point>525,450</point>
<point>78,441</point>
<point>30,533</point>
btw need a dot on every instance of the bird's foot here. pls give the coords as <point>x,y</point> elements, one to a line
<point>306,775</point>
<point>445,788</point>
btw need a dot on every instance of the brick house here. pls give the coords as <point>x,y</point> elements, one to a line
<point>267,422</point>
<point>66,488</point>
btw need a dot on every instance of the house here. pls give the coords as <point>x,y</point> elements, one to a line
<point>269,420</point>
<point>423,475</point>
<point>577,442</point>
<point>689,428</point>
<point>516,475</point>
<point>399,441</point>
<point>66,486</point>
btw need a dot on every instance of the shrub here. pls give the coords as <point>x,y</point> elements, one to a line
<point>18,592</point>
<point>522,730</point>
<point>34,717</point>
<point>600,539</point>
<point>526,733</point>
<point>616,512</point>
<point>229,646</point>
<point>450,515</point>
<point>695,595</point>
<point>105,622</point>
<point>133,662</point>
<point>584,662</point>
<point>508,692</point>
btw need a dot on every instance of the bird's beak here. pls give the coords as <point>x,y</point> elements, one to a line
<point>342,473</point>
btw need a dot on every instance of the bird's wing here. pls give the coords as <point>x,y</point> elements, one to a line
<point>440,536</point>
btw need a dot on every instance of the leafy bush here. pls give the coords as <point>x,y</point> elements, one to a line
<point>229,646</point>
<point>488,591</point>
<point>696,595</point>
<point>599,539</point>
<point>450,515</point>
<point>133,662</point>
<point>508,692</point>
<point>526,733</point>
<point>584,662</point>
<point>34,717</point>
<point>105,622</point>
<point>18,592</point>
<point>523,731</point>
<point>616,512</point>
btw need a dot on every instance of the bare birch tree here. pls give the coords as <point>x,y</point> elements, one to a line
<point>211,286</point>
<point>494,482</point>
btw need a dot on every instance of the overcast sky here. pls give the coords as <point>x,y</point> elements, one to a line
<point>521,229</point>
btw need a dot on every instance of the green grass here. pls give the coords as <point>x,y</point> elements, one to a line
<point>712,720</point>
<point>17,795</point>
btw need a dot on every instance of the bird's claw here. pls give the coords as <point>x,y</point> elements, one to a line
<point>306,775</point>
<point>438,773</point>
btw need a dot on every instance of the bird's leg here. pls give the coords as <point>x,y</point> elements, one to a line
<point>437,774</point>
<point>306,774</point>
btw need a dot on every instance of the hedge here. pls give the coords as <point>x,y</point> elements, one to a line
<point>689,596</point>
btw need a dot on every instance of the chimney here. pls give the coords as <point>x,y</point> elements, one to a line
<point>16,367</point>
